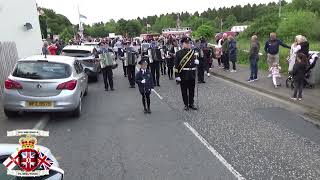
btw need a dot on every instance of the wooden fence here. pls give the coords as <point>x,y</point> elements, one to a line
<point>8,58</point>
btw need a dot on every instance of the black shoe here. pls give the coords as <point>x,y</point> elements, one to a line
<point>203,82</point>
<point>112,89</point>
<point>125,75</point>
<point>106,89</point>
<point>132,87</point>
<point>193,107</point>
<point>158,85</point>
<point>145,111</point>
<point>149,111</point>
<point>186,108</point>
<point>199,82</point>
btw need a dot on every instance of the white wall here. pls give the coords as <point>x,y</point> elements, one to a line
<point>14,14</point>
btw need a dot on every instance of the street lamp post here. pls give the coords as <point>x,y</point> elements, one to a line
<point>279,8</point>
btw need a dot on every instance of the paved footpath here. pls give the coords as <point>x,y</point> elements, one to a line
<point>311,97</point>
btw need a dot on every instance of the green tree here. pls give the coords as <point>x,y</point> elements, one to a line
<point>204,31</point>
<point>133,28</point>
<point>66,35</point>
<point>164,22</point>
<point>262,26</point>
<point>300,22</point>
<point>121,27</point>
<point>230,21</point>
<point>311,5</point>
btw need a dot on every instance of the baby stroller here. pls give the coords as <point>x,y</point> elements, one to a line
<point>313,57</point>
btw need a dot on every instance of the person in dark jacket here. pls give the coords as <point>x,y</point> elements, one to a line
<point>145,82</point>
<point>254,58</point>
<point>272,50</point>
<point>232,52</point>
<point>170,53</point>
<point>299,70</point>
<point>185,65</point>
<point>225,53</point>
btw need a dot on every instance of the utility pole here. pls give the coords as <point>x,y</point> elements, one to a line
<point>279,8</point>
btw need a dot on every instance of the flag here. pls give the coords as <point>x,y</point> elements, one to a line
<point>82,16</point>
<point>44,162</point>
<point>148,26</point>
<point>11,161</point>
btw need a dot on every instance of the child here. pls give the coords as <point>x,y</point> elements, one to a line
<point>145,83</point>
<point>298,72</point>
<point>275,71</point>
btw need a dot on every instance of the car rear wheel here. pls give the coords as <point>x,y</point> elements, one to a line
<point>77,112</point>
<point>10,114</point>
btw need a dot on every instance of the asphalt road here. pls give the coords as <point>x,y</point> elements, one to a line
<point>254,135</point>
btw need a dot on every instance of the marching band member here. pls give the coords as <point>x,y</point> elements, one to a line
<point>145,83</point>
<point>154,59</point>
<point>170,54</point>
<point>130,60</point>
<point>201,67</point>
<point>106,62</point>
<point>185,64</point>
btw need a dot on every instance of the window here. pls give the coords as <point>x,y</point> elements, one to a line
<point>42,70</point>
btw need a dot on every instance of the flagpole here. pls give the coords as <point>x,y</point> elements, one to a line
<point>79,18</point>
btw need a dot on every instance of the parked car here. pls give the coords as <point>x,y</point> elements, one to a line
<point>93,44</point>
<point>88,57</point>
<point>45,84</point>
<point>6,150</point>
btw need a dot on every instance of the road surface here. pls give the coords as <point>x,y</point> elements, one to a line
<point>236,134</point>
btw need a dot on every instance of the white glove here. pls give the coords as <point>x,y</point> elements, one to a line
<point>178,79</point>
<point>196,61</point>
<point>143,81</point>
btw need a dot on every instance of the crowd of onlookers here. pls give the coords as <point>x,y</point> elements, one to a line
<point>225,52</point>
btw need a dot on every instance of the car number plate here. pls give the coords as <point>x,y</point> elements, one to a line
<point>39,104</point>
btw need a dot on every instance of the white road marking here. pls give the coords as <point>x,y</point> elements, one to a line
<point>160,97</point>
<point>215,153</point>
<point>42,123</point>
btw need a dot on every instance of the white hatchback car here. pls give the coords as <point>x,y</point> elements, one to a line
<point>45,84</point>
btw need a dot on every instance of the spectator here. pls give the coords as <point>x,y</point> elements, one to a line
<point>225,52</point>
<point>275,71</point>
<point>45,50</point>
<point>52,49</point>
<point>272,50</point>
<point>254,58</point>
<point>59,46</point>
<point>293,54</point>
<point>304,45</point>
<point>298,72</point>
<point>232,52</point>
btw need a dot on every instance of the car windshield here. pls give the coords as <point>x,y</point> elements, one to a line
<point>42,70</point>
<point>76,53</point>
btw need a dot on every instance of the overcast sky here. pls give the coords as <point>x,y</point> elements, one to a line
<point>104,10</point>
